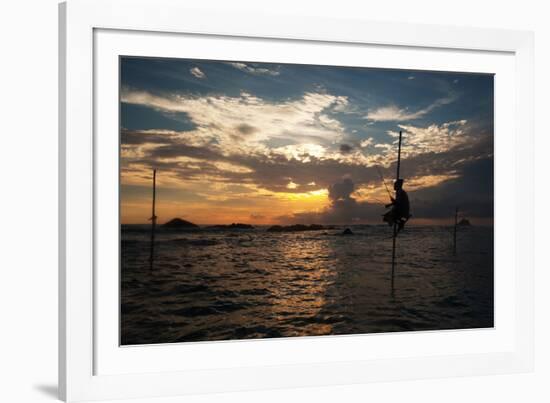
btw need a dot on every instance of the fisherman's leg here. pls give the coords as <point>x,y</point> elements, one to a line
<point>388,217</point>
<point>401,225</point>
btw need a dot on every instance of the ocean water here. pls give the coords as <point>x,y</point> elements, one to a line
<point>222,284</point>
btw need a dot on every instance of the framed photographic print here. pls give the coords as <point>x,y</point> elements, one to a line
<point>246,208</point>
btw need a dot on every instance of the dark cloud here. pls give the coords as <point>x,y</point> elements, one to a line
<point>129,137</point>
<point>183,150</point>
<point>341,191</point>
<point>472,192</point>
<point>345,148</point>
<point>246,129</point>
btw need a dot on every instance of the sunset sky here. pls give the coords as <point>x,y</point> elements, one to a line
<point>278,144</point>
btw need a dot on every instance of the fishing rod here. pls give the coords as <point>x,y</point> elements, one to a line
<point>383,181</point>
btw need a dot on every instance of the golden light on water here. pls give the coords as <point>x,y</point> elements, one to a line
<point>308,293</point>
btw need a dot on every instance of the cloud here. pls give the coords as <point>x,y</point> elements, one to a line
<point>301,152</point>
<point>228,121</point>
<point>137,137</point>
<point>303,129</point>
<point>345,148</point>
<point>392,113</point>
<point>471,191</point>
<point>252,69</point>
<point>197,72</point>
<point>430,155</point>
<point>434,138</point>
<point>341,191</point>
<point>366,142</point>
<point>244,128</point>
<point>291,185</point>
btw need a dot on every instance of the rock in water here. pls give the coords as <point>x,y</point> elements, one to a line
<point>179,223</point>
<point>464,222</point>
<point>347,231</point>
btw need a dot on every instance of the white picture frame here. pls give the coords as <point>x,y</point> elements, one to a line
<point>84,339</point>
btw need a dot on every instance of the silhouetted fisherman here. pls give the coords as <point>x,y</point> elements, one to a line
<point>400,208</point>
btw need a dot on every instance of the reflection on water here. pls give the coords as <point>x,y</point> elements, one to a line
<point>231,284</point>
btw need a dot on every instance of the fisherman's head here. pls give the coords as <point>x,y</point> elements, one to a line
<point>398,184</point>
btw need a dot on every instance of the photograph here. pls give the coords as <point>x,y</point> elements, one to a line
<point>264,200</point>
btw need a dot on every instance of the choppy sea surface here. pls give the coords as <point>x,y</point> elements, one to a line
<point>224,284</point>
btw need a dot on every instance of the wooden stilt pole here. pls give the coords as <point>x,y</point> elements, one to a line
<point>399,155</point>
<point>393,255</point>
<point>153,220</point>
<point>395,224</point>
<point>454,235</point>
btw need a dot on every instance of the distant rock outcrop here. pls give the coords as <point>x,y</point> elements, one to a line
<point>180,223</point>
<point>296,228</point>
<point>347,231</point>
<point>464,222</point>
<point>232,226</point>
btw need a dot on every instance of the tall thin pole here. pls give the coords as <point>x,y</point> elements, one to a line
<point>153,220</point>
<point>395,224</point>
<point>399,155</point>
<point>393,255</point>
<point>454,235</point>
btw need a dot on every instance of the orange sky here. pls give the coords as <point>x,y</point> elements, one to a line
<point>257,206</point>
<point>260,207</point>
